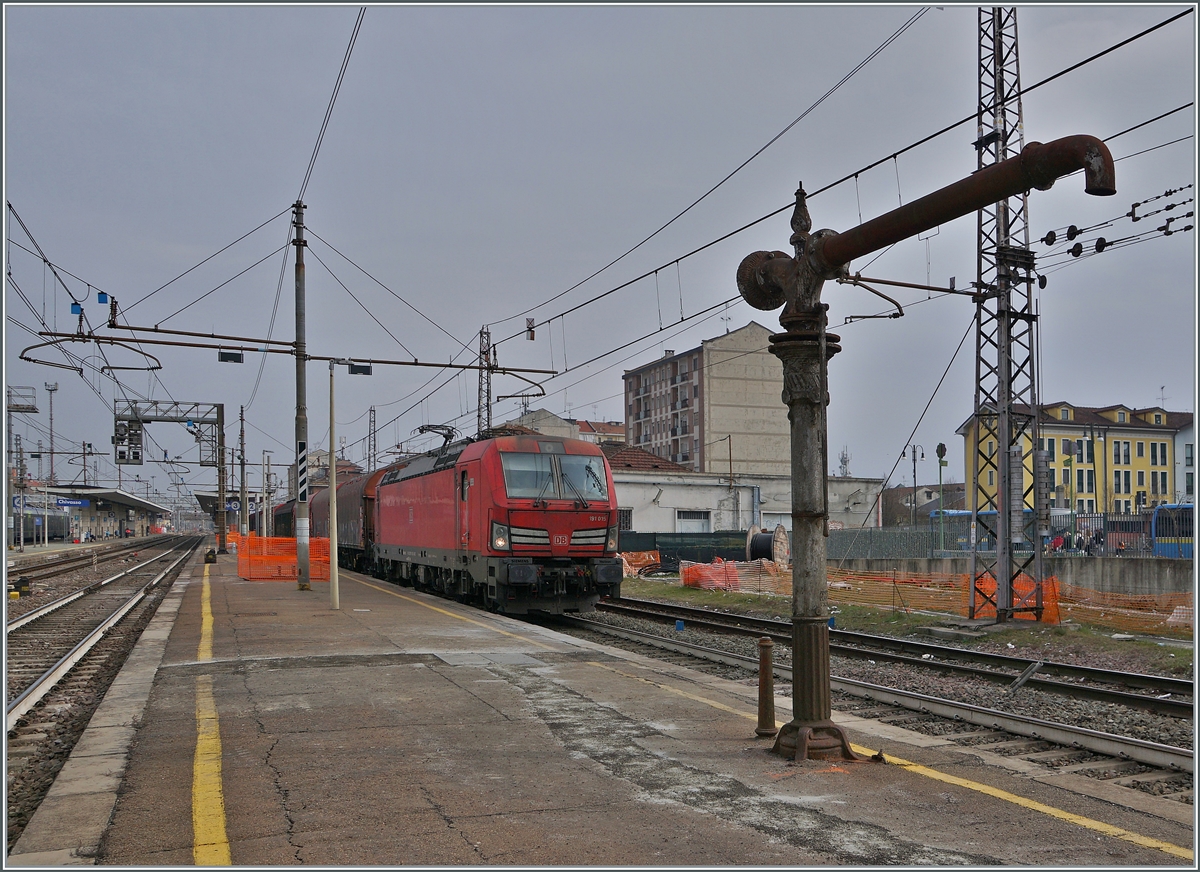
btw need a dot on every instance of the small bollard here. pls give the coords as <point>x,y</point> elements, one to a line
<point>766,690</point>
<point>679,626</point>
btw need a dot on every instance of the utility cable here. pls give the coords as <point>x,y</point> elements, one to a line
<point>125,309</point>
<point>332,99</point>
<point>911,21</point>
<point>223,284</point>
<point>344,257</point>
<point>370,314</point>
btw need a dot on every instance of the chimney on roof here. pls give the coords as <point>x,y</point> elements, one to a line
<point>667,352</point>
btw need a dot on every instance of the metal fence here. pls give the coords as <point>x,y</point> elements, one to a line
<point>1071,534</point>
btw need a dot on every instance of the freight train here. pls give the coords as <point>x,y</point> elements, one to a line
<point>513,523</point>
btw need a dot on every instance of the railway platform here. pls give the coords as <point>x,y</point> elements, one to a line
<point>254,725</point>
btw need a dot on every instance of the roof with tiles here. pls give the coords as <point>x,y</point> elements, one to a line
<point>1095,416</point>
<point>621,456</point>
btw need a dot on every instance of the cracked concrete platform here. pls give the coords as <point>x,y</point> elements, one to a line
<point>410,730</point>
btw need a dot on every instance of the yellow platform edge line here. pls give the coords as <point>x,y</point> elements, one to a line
<point>918,769</point>
<point>210,843</point>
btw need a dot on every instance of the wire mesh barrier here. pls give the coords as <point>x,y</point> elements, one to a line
<point>273,558</point>
<point>884,542</point>
<point>1168,614</point>
<point>694,547</point>
<point>756,576</point>
<point>639,562</point>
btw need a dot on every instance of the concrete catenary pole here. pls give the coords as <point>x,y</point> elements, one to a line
<point>334,600</point>
<point>303,578</point>
<point>243,497</point>
<point>50,389</point>
<point>222,488</point>
<point>768,279</point>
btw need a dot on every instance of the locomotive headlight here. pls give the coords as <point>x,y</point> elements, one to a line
<point>500,540</point>
<point>611,543</point>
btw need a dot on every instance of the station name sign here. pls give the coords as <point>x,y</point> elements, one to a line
<point>68,501</point>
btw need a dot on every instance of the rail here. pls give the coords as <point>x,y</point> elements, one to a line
<point>932,656</point>
<point>33,694</point>
<point>1124,747</point>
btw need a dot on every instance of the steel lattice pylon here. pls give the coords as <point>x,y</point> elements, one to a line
<point>486,359</point>
<point>1005,541</point>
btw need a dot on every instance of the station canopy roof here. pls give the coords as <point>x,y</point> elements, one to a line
<point>112,494</point>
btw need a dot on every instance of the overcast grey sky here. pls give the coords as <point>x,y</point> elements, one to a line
<point>481,160</point>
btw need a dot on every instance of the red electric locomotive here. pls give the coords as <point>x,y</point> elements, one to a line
<point>514,523</point>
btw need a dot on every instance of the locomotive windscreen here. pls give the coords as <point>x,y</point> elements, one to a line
<point>584,475</point>
<point>561,476</point>
<point>528,475</point>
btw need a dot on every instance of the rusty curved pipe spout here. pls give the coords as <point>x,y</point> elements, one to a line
<point>1037,166</point>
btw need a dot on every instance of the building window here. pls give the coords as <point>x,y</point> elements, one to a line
<point>1050,480</point>
<point>991,478</point>
<point>1120,417</point>
<point>1163,479</point>
<point>1078,450</point>
<point>1162,453</point>
<point>1064,414</point>
<point>1187,454</point>
<point>1050,445</point>
<point>991,448</point>
<point>1079,480</point>
<point>1141,449</point>
<point>1158,419</point>
<point>1128,489</point>
<point>1067,448</point>
<point>687,521</point>
<point>1116,482</point>
<point>1188,483</point>
<point>1091,452</point>
<point>1116,452</point>
<point>1153,453</point>
<point>1142,480</point>
<point>1091,481</point>
<point>1079,505</point>
<point>1125,452</point>
<point>1128,507</point>
<point>1091,505</point>
<point>624,519</point>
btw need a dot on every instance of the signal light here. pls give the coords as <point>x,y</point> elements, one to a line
<point>229,356</point>
<point>360,369</point>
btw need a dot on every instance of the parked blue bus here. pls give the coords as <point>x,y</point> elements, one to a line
<point>1171,530</point>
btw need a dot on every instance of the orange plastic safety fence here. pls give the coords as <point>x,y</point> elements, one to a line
<point>273,558</point>
<point>633,562</point>
<point>1023,587</point>
<point>756,576</point>
<point>1170,614</point>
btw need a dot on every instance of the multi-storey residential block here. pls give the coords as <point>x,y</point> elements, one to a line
<point>715,408</point>
<point>1185,464</point>
<point>1109,459</point>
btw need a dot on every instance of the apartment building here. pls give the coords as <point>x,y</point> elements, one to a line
<point>1103,459</point>
<point>715,408</point>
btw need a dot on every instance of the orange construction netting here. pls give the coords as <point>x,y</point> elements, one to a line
<point>755,576</point>
<point>273,558</point>
<point>1164,614</point>
<point>634,562</point>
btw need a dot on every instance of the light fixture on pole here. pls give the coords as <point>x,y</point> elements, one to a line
<point>942,463</point>
<point>355,369</point>
<point>912,506</point>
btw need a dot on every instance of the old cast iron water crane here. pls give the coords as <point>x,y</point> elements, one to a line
<point>768,279</point>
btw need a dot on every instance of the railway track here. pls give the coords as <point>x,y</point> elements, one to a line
<point>43,645</point>
<point>1160,694</point>
<point>1123,762</point>
<point>36,567</point>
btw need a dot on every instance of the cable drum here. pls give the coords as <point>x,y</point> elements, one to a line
<point>750,534</point>
<point>762,546</point>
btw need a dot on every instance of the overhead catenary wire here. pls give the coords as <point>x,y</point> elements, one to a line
<point>337,87</point>
<point>887,42</point>
<point>831,185</point>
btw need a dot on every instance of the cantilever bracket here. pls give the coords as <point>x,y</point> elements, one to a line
<point>856,279</point>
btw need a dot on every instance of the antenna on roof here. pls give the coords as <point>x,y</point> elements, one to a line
<point>1162,397</point>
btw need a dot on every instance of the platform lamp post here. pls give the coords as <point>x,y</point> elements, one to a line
<point>940,451</point>
<point>355,369</point>
<point>769,279</point>
<point>912,504</point>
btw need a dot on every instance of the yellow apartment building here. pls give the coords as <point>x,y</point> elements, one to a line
<point>1111,459</point>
